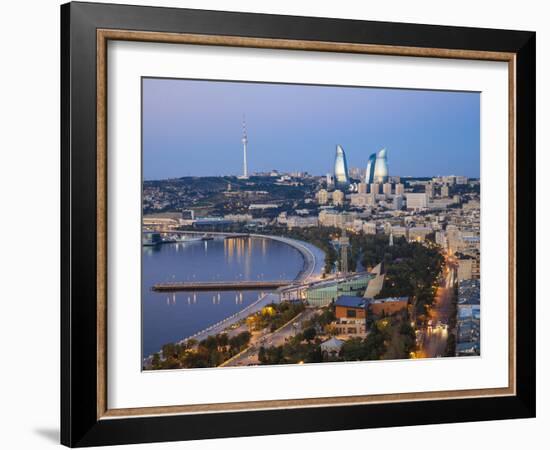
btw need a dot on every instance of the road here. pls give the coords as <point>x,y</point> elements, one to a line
<point>250,355</point>
<point>435,337</point>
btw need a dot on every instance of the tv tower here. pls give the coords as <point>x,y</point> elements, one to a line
<point>245,141</point>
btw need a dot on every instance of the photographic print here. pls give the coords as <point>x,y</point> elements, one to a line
<point>300,224</point>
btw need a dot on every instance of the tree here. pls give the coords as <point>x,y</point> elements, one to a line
<point>155,363</point>
<point>450,349</point>
<point>310,333</point>
<point>353,350</point>
<point>262,355</point>
<point>169,350</point>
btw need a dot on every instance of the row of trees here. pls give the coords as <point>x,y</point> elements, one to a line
<point>210,352</point>
<point>275,315</point>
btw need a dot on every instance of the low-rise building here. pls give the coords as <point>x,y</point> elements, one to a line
<point>419,233</point>
<point>362,200</point>
<point>301,222</point>
<point>326,292</point>
<point>332,346</point>
<point>328,218</point>
<point>387,306</point>
<point>351,314</point>
<point>369,227</point>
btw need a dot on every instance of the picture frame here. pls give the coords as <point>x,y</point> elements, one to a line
<point>86,418</point>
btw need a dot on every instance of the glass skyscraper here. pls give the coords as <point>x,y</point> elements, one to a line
<point>369,176</point>
<point>381,172</point>
<point>341,177</point>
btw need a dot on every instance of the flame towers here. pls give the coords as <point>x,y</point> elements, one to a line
<point>381,173</point>
<point>369,176</point>
<point>377,168</point>
<point>340,168</point>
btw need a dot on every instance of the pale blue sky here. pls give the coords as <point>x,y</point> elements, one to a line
<point>193,127</point>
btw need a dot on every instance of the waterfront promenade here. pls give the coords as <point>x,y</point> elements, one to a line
<point>314,261</point>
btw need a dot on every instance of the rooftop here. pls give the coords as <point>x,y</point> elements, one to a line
<point>389,300</point>
<point>350,301</point>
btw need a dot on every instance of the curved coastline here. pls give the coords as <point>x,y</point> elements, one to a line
<point>314,257</point>
<point>313,266</point>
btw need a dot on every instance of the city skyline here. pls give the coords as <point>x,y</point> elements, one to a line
<point>194,128</point>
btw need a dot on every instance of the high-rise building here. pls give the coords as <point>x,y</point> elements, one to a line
<point>341,176</point>
<point>322,197</point>
<point>381,167</point>
<point>338,197</point>
<point>355,173</point>
<point>461,180</point>
<point>369,228</point>
<point>398,202</point>
<point>399,189</point>
<point>445,190</point>
<point>386,189</point>
<point>362,188</point>
<point>369,176</point>
<point>330,179</point>
<point>417,201</point>
<point>429,189</point>
<point>375,188</point>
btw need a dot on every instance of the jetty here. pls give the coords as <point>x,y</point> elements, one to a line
<point>221,285</point>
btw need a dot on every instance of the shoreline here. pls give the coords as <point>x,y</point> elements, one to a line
<point>313,264</point>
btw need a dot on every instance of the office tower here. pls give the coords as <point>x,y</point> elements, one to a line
<point>341,177</point>
<point>338,197</point>
<point>429,190</point>
<point>322,197</point>
<point>369,175</point>
<point>381,167</point>
<point>399,189</point>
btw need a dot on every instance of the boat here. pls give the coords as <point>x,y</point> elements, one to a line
<point>207,237</point>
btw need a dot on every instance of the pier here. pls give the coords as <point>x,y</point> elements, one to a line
<point>221,285</point>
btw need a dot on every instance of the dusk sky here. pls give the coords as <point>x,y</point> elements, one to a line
<point>195,128</point>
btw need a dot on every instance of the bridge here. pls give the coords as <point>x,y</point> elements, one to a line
<point>220,285</point>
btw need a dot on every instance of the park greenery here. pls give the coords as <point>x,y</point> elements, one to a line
<point>210,352</point>
<point>274,316</point>
<point>412,269</point>
<point>389,337</point>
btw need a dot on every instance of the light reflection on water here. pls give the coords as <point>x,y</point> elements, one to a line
<point>169,317</point>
